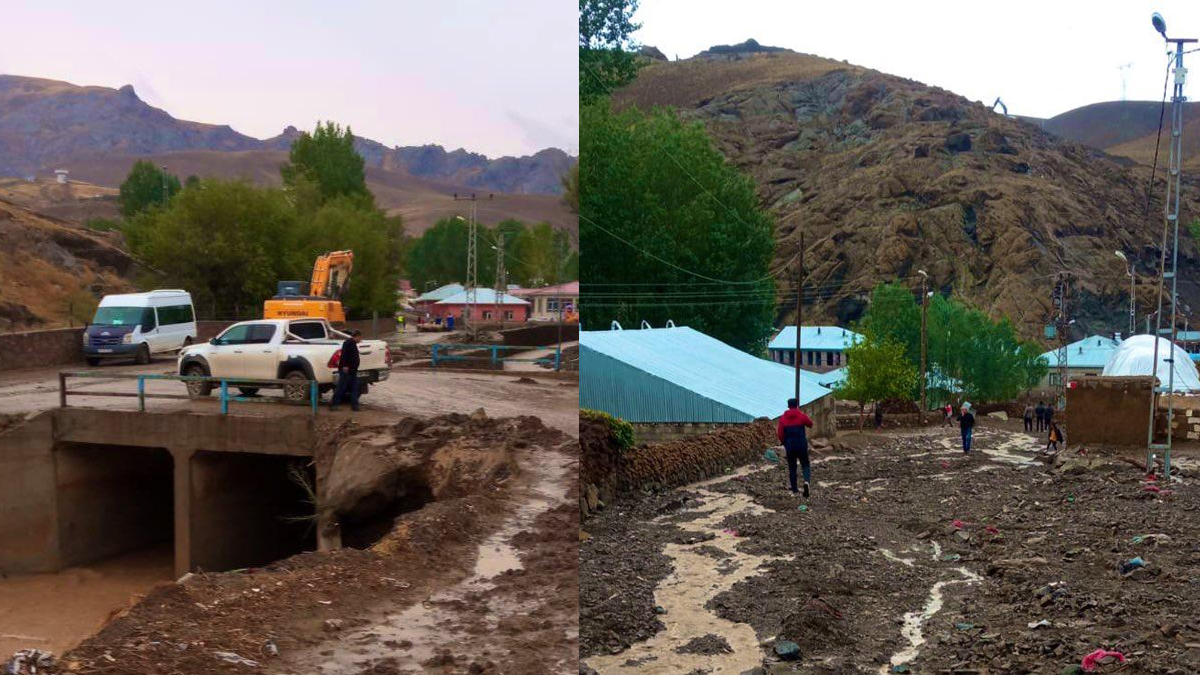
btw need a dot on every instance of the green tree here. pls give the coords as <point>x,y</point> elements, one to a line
<point>877,369</point>
<point>146,186</point>
<point>570,184</point>
<point>670,230</point>
<point>346,223</point>
<point>324,165</point>
<point>227,243</point>
<point>191,181</point>
<point>439,256</point>
<point>894,314</point>
<point>607,52</point>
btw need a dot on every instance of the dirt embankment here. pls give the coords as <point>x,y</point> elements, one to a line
<point>607,472</point>
<point>418,497</point>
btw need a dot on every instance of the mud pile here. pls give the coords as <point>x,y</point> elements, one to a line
<point>372,479</point>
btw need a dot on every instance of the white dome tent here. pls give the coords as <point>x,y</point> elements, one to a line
<point>1135,356</point>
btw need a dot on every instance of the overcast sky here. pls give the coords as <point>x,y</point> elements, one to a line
<point>1042,58</point>
<point>495,77</point>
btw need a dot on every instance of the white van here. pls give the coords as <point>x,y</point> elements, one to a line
<point>137,325</point>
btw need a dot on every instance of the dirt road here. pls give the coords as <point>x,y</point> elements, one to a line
<point>908,557</point>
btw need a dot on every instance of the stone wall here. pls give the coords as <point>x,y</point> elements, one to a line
<point>1185,421</point>
<point>49,348</point>
<point>540,335</point>
<point>1109,411</point>
<point>825,425</point>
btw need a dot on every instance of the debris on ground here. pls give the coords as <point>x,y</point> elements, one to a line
<point>29,662</point>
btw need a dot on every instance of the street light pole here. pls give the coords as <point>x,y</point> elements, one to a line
<point>1132,297</point>
<point>1170,224</point>
<point>799,311</point>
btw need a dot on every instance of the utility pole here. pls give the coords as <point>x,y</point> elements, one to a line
<point>472,264</point>
<point>1170,223</point>
<point>924,369</point>
<point>1062,291</point>
<point>1123,68</point>
<point>1132,293</point>
<point>799,311</point>
<point>501,280</point>
<point>164,187</point>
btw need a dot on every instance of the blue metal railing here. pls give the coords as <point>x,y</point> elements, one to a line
<point>442,354</point>
<point>222,384</point>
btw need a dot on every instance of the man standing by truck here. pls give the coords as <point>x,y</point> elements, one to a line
<point>347,383</point>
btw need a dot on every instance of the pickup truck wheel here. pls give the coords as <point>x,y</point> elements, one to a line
<point>363,388</point>
<point>92,361</point>
<point>295,388</point>
<point>143,355</point>
<point>197,389</point>
<point>248,391</point>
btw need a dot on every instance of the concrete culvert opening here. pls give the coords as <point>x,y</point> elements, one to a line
<point>113,500</point>
<point>366,520</point>
<point>250,509</point>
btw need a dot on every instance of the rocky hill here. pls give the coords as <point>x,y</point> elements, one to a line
<point>1129,129</point>
<point>887,176</point>
<point>46,123</point>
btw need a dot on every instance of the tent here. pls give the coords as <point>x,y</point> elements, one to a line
<point>1135,356</point>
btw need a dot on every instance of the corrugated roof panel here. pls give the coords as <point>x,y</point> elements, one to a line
<point>483,296</point>
<point>440,293</point>
<point>821,338</point>
<point>1093,351</point>
<point>682,375</point>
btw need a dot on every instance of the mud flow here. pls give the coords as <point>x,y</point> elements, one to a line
<point>909,556</point>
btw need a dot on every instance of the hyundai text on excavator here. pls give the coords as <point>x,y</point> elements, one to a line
<point>323,296</point>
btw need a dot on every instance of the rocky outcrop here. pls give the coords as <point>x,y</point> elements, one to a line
<point>887,176</point>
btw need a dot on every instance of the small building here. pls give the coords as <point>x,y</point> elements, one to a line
<point>438,294</point>
<point>485,306</point>
<point>822,348</point>
<point>681,378</point>
<point>60,175</point>
<point>1084,358</point>
<point>1189,340</point>
<point>549,300</point>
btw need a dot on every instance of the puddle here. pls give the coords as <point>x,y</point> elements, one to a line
<point>413,635</point>
<point>913,621</point>
<point>695,579</point>
<point>55,612</point>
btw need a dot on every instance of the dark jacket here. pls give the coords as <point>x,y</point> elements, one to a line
<point>349,355</point>
<point>790,430</point>
<point>966,421</point>
<point>1040,412</point>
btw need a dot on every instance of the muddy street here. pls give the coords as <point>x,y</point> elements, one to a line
<point>908,557</point>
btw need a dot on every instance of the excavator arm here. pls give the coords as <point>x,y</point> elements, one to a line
<point>331,275</point>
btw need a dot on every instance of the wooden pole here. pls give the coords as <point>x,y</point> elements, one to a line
<point>799,312</point>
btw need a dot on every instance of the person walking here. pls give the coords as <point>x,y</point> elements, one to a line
<point>400,323</point>
<point>966,424</point>
<point>1049,416</point>
<point>790,432</point>
<point>1028,416</point>
<point>878,416</point>
<point>949,414</point>
<point>347,384</point>
<point>1055,437</point>
<point>1040,412</point>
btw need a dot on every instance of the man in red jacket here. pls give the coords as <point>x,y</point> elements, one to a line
<point>795,442</point>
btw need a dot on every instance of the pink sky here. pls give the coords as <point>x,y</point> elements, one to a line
<point>494,77</point>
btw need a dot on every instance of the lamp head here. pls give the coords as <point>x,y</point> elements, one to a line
<point>1160,24</point>
<point>1121,256</point>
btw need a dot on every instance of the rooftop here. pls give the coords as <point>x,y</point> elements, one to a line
<point>702,365</point>
<point>818,338</point>
<point>1093,351</point>
<point>440,293</point>
<point>483,296</point>
<point>571,288</point>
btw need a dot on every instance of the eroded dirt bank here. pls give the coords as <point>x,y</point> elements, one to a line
<point>873,575</point>
<point>458,493</point>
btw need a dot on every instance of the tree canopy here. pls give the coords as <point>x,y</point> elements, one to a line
<point>607,59</point>
<point>877,370</point>
<point>146,186</point>
<point>533,255</point>
<point>326,161</point>
<point>670,230</point>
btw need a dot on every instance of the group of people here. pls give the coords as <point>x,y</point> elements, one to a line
<point>792,433</point>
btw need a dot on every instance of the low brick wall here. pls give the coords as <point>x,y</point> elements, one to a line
<point>1109,411</point>
<point>1185,421</point>
<point>32,349</point>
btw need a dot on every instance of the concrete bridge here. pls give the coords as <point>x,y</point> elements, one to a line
<point>80,485</point>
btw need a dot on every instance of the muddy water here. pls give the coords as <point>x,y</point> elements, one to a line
<point>57,611</point>
<point>413,635</point>
<point>694,581</point>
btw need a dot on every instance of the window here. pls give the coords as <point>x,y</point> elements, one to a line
<point>808,358</point>
<point>509,314</point>
<point>125,316</point>
<point>1055,380</point>
<point>175,314</point>
<point>260,333</point>
<point>829,358</point>
<point>551,304</point>
<point>487,315</point>
<point>308,330</point>
<point>236,335</point>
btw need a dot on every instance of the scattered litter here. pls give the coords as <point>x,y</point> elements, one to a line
<point>1132,564</point>
<point>958,524</point>
<point>992,529</point>
<point>333,625</point>
<point>771,456</point>
<point>788,651</point>
<point>271,648</point>
<point>230,657</point>
<point>730,532</point>
<point>659,609</point>
<point>29,662</point>
<point>1151,538</point>
<point>963,625</point>
<point>803,508</point>
<point>1044,623</point>
<point>1099,657</point>
<point>951,557</point>
<point>324,602</point>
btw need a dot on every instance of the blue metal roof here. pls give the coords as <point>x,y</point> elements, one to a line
<point>683,375</point>
<point>1091,352</point>
<point>440,293</point>
<point>817,338</point>
<point>483,296</point>
<point>833,378</point>
<point>1182,335</point>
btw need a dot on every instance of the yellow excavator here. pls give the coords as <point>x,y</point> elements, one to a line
<point>323,296</point>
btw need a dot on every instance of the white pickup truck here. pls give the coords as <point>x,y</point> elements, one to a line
<point>296,350</point>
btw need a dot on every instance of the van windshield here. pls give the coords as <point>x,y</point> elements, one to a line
<point>124,316</point>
